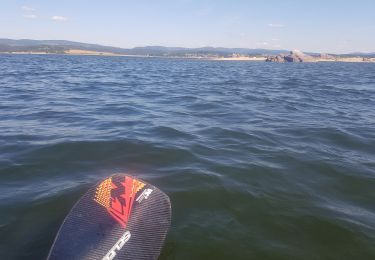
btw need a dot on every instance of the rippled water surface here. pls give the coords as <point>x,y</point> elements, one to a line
<point>261,161</point>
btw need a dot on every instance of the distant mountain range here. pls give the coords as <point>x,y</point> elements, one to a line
<point>62,47</point>
<point>362,54</point>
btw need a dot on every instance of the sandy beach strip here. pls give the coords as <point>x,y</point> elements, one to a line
<point>240,58</point>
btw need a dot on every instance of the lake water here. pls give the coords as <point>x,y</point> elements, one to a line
<point>260,160</point>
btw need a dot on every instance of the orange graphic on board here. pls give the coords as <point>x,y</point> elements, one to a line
<point>118,198</point>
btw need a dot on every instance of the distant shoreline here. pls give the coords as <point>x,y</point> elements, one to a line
<point>75,52</point>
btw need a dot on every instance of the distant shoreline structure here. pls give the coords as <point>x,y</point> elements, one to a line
<point>61,47</point>
<point>235,57</point>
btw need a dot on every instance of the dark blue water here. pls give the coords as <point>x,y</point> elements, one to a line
<point>260,160</point>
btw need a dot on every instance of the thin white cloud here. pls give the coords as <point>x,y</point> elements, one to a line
<point>262,43</point>
<point>276,25</point>
<point>59,18</point>
<point>30,16</point>
<point>28,8</point>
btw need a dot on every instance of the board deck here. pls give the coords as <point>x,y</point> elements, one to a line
<point>119,218</point>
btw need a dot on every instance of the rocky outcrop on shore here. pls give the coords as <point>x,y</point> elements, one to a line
<point>293,56</point>
<point>298,56</point>
<point>278,58</point>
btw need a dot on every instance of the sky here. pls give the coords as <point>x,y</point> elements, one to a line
<point>329,26</point>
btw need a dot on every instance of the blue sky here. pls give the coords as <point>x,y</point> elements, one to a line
<point>324,26</point>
